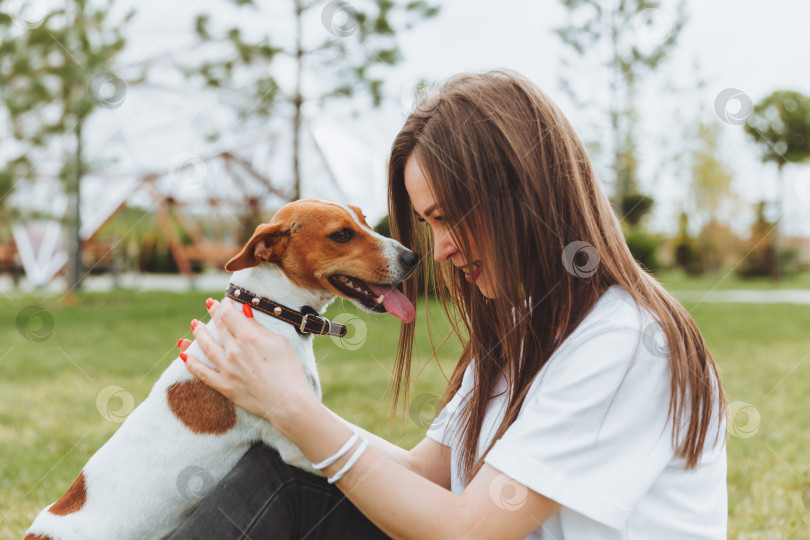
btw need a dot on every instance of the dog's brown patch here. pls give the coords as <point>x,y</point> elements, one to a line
<point>30,536</point>
<point>73,500</point>
<point>201,408</point>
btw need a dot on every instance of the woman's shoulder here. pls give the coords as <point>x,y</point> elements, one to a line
<point>611,338</point>
<point>616,310</point>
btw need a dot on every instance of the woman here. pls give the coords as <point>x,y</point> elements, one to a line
<point>585,403</point>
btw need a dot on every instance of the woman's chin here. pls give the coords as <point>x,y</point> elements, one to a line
<point>485,289</point>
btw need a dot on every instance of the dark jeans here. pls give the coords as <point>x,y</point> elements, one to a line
<point>263,497</point>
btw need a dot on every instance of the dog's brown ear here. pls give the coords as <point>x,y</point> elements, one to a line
<point>267,244</point>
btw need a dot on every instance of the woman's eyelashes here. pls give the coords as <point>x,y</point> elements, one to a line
<point>434,218</point>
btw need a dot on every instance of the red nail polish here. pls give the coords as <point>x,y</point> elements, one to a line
<point>247,311</point>
<point>209,303</point>
<point>179,342</point>
<point>193,324</point>
<point>183,356</point>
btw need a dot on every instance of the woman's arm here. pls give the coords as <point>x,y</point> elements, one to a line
<point>261,373</point>
<point>428,458</point>
<point>407,505</point>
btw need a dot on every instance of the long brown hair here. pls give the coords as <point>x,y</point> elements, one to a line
<point>501,160</point>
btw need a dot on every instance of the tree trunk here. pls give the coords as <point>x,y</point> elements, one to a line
<point>777,228</point>
<point>297,101</point>
<point>614,119</point>
<point>74,273</point>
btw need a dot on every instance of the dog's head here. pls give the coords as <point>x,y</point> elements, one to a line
<point>327,246</point>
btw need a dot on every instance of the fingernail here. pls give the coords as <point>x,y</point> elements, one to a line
<point>179,342</point>
<point>247,311</point>
<point>209,303</point>
<point>193,324</point>
<point>183,356</point>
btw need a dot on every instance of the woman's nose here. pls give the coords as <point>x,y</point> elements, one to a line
<point>443,246</point>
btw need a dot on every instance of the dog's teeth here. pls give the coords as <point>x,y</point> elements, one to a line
<point>343,279</point>
<point>380,299</point>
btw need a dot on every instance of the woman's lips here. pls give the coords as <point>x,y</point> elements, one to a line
<point>472,271</point>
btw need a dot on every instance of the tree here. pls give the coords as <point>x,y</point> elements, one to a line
<point>762,258</point>
<point>54,73</point>
<point>341,55</point>
<point>637,36</point>
<point>711,182</point>
<point>780,126</point>
<point>686,252</point>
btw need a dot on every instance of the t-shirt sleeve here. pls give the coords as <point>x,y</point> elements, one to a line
<point>581,442</point>
<point>439,430</point>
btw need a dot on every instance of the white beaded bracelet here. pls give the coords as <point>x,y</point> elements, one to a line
<point>343,449</point>
<point>351,462</point>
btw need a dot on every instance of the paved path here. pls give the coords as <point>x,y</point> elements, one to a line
<point>781,296</point>
<point>208,281</point>
<point>213,281</point>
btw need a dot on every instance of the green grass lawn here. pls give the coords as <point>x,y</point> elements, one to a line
<point>726,279</point>
<point>118,344</point>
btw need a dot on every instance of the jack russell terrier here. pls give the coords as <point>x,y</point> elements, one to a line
<point>311,252</point>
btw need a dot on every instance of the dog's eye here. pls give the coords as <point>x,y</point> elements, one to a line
<point>343,235</point>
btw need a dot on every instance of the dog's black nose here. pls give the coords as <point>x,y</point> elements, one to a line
<point>409,259</point>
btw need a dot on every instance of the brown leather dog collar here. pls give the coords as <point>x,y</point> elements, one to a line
<point>306,321</point>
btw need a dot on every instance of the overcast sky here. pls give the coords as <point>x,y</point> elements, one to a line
<point>750,45</point>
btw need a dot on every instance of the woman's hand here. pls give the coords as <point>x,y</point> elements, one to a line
<point>255,368</point>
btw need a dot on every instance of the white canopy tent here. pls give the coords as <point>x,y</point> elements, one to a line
<point>189,148</point>
<point>172,136</point>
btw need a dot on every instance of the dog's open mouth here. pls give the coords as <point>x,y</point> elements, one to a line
<point>375,297</point>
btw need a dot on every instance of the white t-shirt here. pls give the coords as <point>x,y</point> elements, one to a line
<point>606,457</point>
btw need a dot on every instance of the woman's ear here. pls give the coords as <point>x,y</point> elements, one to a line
<point>268,244</point>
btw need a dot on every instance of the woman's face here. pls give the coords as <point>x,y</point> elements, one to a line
<point>443,246</point>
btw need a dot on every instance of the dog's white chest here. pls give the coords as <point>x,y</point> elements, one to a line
<point>174,447</point>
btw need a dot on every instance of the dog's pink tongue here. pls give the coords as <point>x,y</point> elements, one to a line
<point>394,302</point>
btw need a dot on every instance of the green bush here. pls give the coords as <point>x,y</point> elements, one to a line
<point>635,206</point>
<point>643,246</point>
<point>688,257</point>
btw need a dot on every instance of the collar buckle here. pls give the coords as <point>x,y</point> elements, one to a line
<point>325,325</point>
